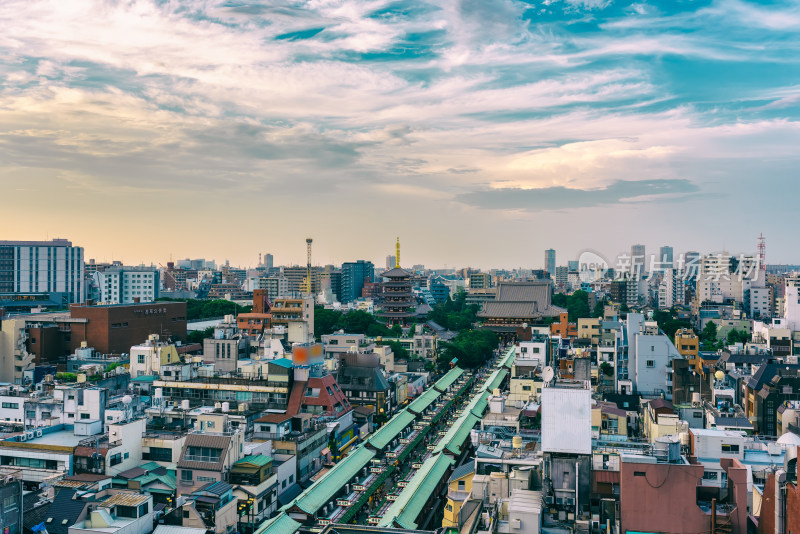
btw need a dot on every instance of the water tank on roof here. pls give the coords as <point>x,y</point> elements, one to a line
<point>516,442</point>
<point>185,404</point>
<point>696,399</point>
<point>226,407</point>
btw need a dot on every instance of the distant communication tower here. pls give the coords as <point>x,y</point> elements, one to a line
<point>762,252</point>
<point>308,266</point>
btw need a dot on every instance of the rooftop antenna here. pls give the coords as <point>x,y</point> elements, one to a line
<point>308,265</point>
<point>397,254</point>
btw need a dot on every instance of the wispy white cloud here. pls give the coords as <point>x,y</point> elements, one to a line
<point>355,100</point>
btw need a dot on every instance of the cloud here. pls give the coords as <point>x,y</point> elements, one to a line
<point>354,103</point>
<point>559,198</point>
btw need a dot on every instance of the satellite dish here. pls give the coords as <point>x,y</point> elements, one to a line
<point>548,374</point>
<point>719,375</point>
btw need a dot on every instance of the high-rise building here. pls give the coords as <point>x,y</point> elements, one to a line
<point>298,279</point>
<point>638,261</point>
<point>480,280</point>
<point>391,259</point>
<point>671,290</point>
<point>126,285</point>
<point>573,265</point>
<point>268,261</point>
<point>550,262</point>
<point>561,277</point>
<point>665,257</point>
<point>354,275</point>
<point>690,265</point>
<point>33,270</point>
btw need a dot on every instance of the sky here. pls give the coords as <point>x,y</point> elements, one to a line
<point>480,132</point>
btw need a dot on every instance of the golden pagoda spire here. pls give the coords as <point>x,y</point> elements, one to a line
<point>397,254</point>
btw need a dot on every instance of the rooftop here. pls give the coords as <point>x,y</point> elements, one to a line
<point>125,499</point>
<point>64,438</point>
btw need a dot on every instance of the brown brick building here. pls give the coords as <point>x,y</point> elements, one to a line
<point>109,329</point>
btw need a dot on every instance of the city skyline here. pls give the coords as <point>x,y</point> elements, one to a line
<point>355,122</point>
<point>279,258</point>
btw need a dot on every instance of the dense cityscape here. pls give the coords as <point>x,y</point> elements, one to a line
<point>399,267</point>
<point>660,394</point>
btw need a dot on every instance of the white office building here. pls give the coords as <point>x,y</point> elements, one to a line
<point>124,285</point>
<point>791,302</point>
<point>38,267</point>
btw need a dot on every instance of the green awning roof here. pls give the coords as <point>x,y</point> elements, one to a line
<point>255,459</point>
<point>478,406</point>
<point>508,359</point>
<point>415,496</point>
<point>457,434</point>
<point>447,380</point>
<point>144,378</point>
<point>159,490</point>
<point>167,480</point>
<point>381,437</point>
<point>280,524</point>
<point>421,403</point>
<point>323,490</point>
<point>494,380</point>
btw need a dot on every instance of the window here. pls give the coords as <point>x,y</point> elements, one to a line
<point>639,474</point>
<point>730,448</point>
<point>186,475</point>
<point>141,358</point>
<point>11,405</point>
<point>461,485</point>
<point>206,479</point>
<point>203,454</point>
<point>85,416</point>
<point>710,475</point>
<point>651,363</point>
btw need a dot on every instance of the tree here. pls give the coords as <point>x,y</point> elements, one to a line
<point>559,299</point>
<point>669,323</point>
<point>399,351</point>
<point>578,305</point>
<point>471,348</point>
<point>737,336</point>
<point>599,308</point>
<point>708,337</point>
<point>326,321</point>
<point>623,308</point>
<point>208,309</point>
<point>607,369</point>
<point>454,314</point>
<point>197,336</point>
